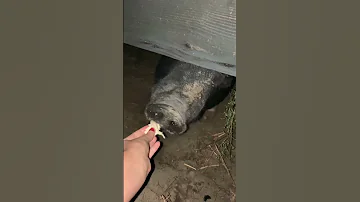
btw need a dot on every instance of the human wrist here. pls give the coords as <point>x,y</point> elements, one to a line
<point>128,186</point>
<point>134,177</point>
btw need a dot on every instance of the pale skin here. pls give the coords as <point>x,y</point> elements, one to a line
<point>139,148</point>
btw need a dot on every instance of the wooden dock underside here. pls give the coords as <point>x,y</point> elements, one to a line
<point>195,31</point>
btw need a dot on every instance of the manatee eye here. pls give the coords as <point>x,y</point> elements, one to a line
<point>172,123</point>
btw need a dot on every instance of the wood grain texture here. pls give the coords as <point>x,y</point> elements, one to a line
<point>201,32</point>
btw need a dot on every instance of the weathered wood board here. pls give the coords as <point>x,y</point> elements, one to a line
<point>201,32</point>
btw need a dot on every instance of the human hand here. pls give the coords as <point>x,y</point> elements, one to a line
<point>138,150</point>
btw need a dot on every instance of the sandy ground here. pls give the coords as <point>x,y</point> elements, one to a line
<point>173,179</point>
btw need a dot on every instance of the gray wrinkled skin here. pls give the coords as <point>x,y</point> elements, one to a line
<point>181,92</point>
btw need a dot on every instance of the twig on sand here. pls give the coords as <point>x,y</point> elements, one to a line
<point>208,166</point>
<point>165,199</point>
<point>218,135</point>
<point>224,164</point>
<point>187,165</point>
<point>233,196</point>
<point>213,150</point>
<point>201,168</point>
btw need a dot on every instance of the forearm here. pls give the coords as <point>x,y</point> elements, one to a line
<point>131,179</point>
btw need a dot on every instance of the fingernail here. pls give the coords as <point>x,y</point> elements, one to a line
<point>152,129</point>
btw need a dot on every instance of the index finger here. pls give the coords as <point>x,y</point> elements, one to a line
<point>137,133</point>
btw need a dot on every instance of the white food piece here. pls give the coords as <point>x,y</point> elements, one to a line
<point>156,126</point>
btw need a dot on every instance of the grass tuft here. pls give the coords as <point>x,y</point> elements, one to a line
<point>227,144</point>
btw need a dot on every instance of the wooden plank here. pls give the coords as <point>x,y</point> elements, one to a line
<point>201,32</point>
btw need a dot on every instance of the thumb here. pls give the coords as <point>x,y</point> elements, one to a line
<point>148,137</point>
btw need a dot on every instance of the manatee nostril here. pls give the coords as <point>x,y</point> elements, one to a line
<point>157,115</point>
<point>155,111</point>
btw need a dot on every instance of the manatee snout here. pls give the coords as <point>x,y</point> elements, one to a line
<point>170,120</point>
<point>182,92</point>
